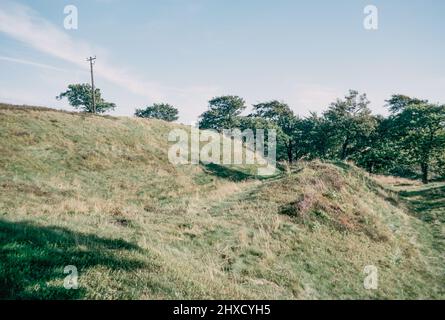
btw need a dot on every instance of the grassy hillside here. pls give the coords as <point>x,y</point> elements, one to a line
<point>99,193</point>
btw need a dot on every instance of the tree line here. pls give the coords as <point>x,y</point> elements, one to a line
<point>409,142</point>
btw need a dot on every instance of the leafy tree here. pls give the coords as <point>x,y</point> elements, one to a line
<point>398,102</point>
<point>224,113</point>
<point>162,111</point>
<point>381,153</point>
<point>440,165</point>
<point>255,123</point>
<point>280,114</point>
<point>315,136</point>
<point>350,122</point>
<point>420,129</point>
<point>79,96</point>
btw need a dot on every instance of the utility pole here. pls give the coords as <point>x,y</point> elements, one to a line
<point>91,60</point>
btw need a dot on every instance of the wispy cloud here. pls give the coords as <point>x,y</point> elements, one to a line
<point>313,97</point>
<point>24,24</point>
<point>34,64</point>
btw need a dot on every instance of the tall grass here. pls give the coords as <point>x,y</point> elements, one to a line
<point>99,193</point>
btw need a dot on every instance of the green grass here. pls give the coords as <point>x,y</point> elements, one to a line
<point>99,193</point>
<point>427,204</point>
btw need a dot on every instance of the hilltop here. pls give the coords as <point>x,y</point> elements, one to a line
<point>99,193</point>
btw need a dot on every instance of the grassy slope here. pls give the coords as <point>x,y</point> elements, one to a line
<point>100,194</point>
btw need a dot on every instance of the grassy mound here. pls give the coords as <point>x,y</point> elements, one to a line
<point>99,193</point>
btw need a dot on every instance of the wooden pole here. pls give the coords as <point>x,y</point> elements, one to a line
<point>93,96</point>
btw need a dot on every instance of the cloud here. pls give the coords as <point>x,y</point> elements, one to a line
<point>25,25</point>
<point>34,64</point>
<point>22,23</point>
<point>312,97</point>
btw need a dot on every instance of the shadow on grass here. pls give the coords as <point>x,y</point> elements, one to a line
<point>428,203</point>
<point>341,164</point>
<point>32,255</point>
<point>226,172</point>
<point>232,174</point>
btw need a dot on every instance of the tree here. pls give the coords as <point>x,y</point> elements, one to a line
<point>162,111</point>
<point>224,113</point>
<point>280,114</point>
<point>79,96</point>
<point>351,122</point>
<point>315,137</point>
<point>420,130</point>
<point>398,102</point>
<point>257,123</point>
<point>381,153</point>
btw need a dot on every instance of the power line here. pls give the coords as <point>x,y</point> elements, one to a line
<point>93,96</point>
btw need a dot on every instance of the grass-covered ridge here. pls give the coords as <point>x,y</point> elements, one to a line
<point>99,193</point>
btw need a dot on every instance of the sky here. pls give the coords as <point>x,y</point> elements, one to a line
<point>184,52</point>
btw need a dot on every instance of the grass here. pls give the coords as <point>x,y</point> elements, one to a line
<point>32,258</point>
<point>99,193</point>
<point>427,204</point>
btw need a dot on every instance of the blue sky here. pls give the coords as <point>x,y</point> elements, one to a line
<point>184,52</point>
